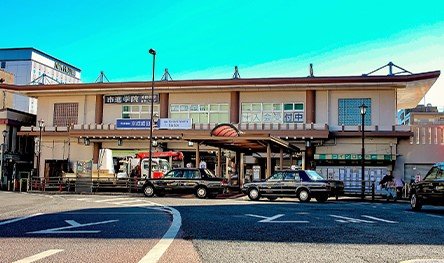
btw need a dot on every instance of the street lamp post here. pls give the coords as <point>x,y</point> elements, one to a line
<point>152,52</point>
<point>2,172</point>
<point>363,110</point>
<point>41,123</point>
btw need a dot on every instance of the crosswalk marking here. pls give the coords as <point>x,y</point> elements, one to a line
<point>18,219</point>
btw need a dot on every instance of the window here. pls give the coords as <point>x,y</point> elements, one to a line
<point>3,64</point>
<point>272,113</point>
<point>65,114</point>
<point>349,112</point>
<point>433,174</point>
<point>291,176</point>
<point>276,176</point>
<point>201,113</point>
<point>139,111</point>
<point>191,174</point>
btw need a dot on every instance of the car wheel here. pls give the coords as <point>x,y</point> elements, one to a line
<point>322,198</point>
<point>201,192</point>
<point>148,190</point>
<point>304,196</point>
<point>415,203</point>
<point>253,194</point>
<point>272,198</point>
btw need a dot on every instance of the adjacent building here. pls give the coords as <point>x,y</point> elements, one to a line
<point>32,66</point>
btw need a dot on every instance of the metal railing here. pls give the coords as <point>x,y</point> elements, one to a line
<point>60,184</point>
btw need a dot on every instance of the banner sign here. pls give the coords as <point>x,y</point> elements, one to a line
<point>385,157</point>
<point>132,123</point>
<point>173,124</point>
<point>131,99</point>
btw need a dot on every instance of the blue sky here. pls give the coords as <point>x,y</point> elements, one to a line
<point>206,39</point>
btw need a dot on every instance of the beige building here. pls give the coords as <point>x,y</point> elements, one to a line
<point>314,122</point>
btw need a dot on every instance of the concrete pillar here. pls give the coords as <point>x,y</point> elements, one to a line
<point>234,107</point>
<point>99,109</point>
<point>97,146</point>
<point>219,162</point>
<point>309,157</point>
<point>164,102</point>
<point>268,168</point>
<point>310,106</point>
<point>197,154</point>
<point>241,170</point>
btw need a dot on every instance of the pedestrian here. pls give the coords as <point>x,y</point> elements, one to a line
<point>399,184</point>
<point>388,186</point>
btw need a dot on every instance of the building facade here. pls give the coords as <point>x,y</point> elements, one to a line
<point>31,66</point>
<point>314,122</point>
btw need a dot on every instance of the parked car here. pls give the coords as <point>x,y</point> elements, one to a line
<point>429,191</point>
<point>303,184</point>
<point>201,182</point>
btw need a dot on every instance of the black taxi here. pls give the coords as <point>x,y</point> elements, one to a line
<point>302,184</point>
<point>201,182</point>
<point>430,190</point>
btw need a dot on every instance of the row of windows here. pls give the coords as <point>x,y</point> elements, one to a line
<point>348,112</point>
<point>272,113</point>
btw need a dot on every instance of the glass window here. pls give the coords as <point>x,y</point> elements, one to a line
<point>349,112</point>
<point>314,175</point>
<point>277,176</point>
<point>138,111</point>
<point>201,113</point>
<point>291,176</point>
<point>433,174</point>
<point>298,106</point>
<point>288,106</point>
<point>65,114</point>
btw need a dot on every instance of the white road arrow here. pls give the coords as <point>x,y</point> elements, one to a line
<point>272,219</point>
<point>73,224</point>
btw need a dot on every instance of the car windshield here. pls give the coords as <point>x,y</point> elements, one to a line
<point>314,175</point>
<point>434,174</point>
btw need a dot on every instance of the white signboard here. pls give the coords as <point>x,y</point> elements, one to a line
<point>256,173</point>
<point>173,124</point>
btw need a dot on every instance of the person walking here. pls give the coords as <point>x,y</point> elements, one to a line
<point>399,184</point>
<point>388,186</point>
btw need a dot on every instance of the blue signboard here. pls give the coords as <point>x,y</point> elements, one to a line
<point>133,123</point>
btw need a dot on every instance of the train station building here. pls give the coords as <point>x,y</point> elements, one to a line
<point>245,126</point>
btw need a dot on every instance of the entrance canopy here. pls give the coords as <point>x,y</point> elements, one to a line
<point>228,137</point>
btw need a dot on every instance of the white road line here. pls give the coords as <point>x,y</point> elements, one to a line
<point>344,219</point>
<point>19,218</point>
<point>159,249</point>
<point>380,219</point>
<point>129,201</point>
<point>113,199</point>
<point>39,256</point>
<point>113,213</point>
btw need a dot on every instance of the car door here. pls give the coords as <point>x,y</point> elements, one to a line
<point>171,181</point>
<point>273,185</point>
<point>290,183</point>
<point>190,180</point>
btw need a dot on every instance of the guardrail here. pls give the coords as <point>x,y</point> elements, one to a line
<point>60,184</point>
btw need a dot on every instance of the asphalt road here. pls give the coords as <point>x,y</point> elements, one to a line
<point>219,230</point>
